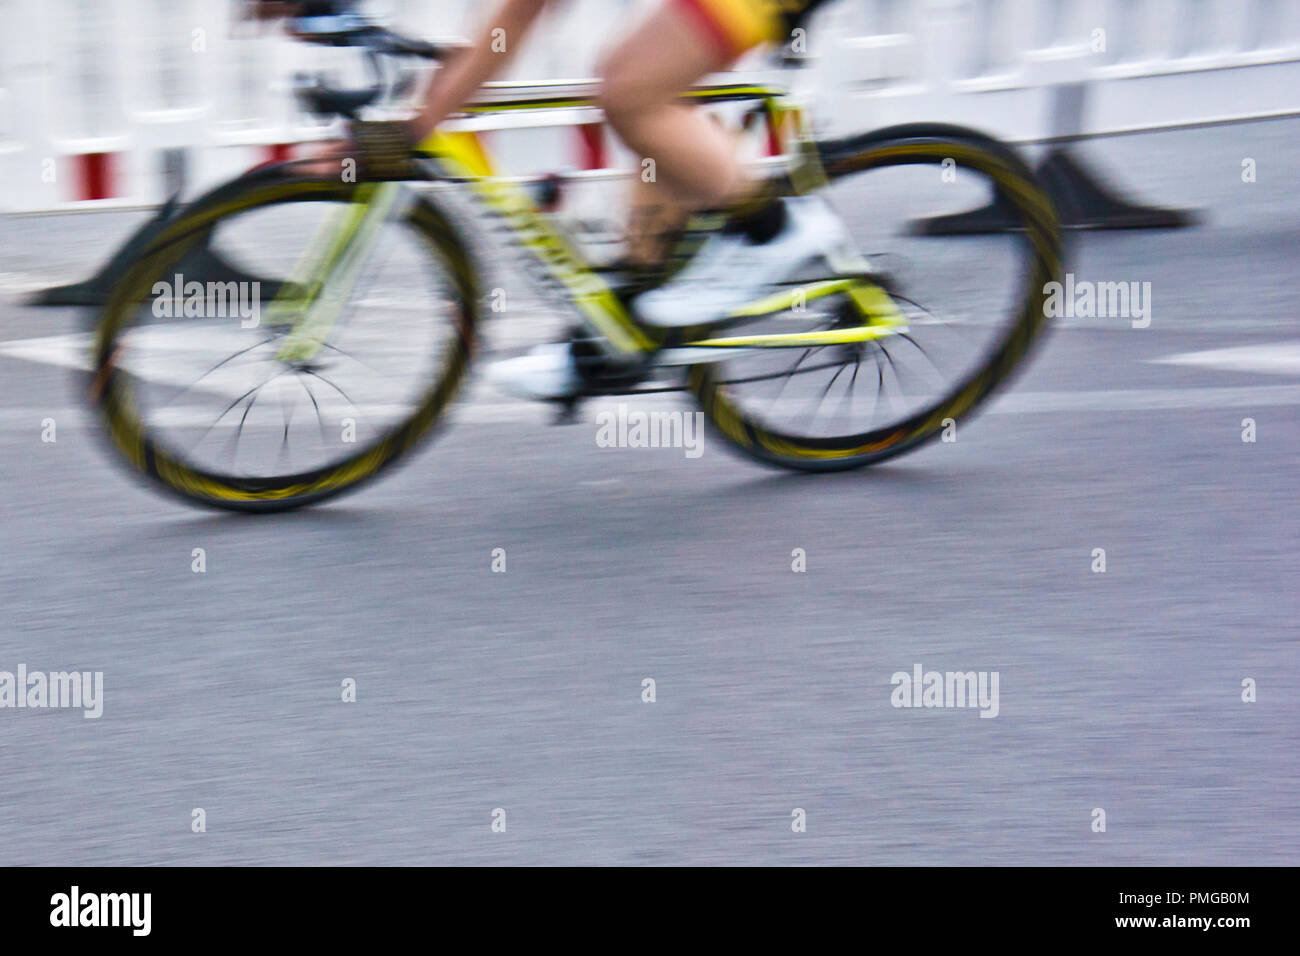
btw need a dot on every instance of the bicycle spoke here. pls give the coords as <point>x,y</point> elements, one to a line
<point>816,410</point>
<point>315,405</point>
<point>232,405</point>
<point>220,364</point>
<point>288,416</point>
<point>348,355</point>
<point>239,429</point>
<point>850,391</point>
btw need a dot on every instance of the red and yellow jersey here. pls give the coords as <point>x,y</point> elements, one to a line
<point>740,25</point>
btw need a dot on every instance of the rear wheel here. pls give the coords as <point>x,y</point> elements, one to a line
<point>211,389</point>
<point>965,310</point>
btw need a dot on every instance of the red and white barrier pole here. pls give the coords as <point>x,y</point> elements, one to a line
<point>93,176</point>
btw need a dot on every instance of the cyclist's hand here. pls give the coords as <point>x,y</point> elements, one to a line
<point>330,159</point>
<point>376,151</point>
<point>270,9</point>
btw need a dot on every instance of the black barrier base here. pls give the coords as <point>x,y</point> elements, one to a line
<point>202,264</point>
<point>1081,196</point>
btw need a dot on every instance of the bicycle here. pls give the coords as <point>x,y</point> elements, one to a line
<point>302,350</point>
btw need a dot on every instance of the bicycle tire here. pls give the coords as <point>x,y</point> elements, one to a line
<point>904,145</point>
<point>134,442</point>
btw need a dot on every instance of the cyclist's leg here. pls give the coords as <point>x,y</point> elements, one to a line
<point>682,42</point>
<point>695,160</point>
<point>657,219</point>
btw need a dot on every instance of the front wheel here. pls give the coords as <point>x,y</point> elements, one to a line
<point>285,340</point>
<point>932,326</point>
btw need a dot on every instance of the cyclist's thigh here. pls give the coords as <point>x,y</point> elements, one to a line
<point>682,41</point>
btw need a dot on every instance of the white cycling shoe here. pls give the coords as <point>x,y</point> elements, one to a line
<point>731,270</point>
<point>547,373</point>
<point>728,272</point>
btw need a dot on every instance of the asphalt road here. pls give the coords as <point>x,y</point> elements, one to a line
<point>1120,691</point>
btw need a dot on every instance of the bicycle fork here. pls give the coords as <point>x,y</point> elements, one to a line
<point>329,269</point>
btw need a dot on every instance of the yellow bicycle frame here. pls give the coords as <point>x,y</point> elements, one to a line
<point>463,157</point>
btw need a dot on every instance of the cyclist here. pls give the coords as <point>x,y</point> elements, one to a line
<point>767,239</point>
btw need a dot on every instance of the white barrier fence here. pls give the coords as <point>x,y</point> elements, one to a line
<point>1148,64</point>
<point>113,102</point>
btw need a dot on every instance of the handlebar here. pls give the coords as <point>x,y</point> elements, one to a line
<point>372,39</point>
<point>351,30</point>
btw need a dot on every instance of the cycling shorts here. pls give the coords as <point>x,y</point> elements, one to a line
<point>740,25</point>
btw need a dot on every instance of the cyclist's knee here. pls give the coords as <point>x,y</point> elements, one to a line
<point>621,97</point>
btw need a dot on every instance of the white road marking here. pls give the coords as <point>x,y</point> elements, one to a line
<point>482,405</point>
<point>68,351</point>
<point>22,284</point>
<point>1276,358</point>
<point>474,410</point>
<point>1144,399</point>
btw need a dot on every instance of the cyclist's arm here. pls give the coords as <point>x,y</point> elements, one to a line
<point>471,68</point>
